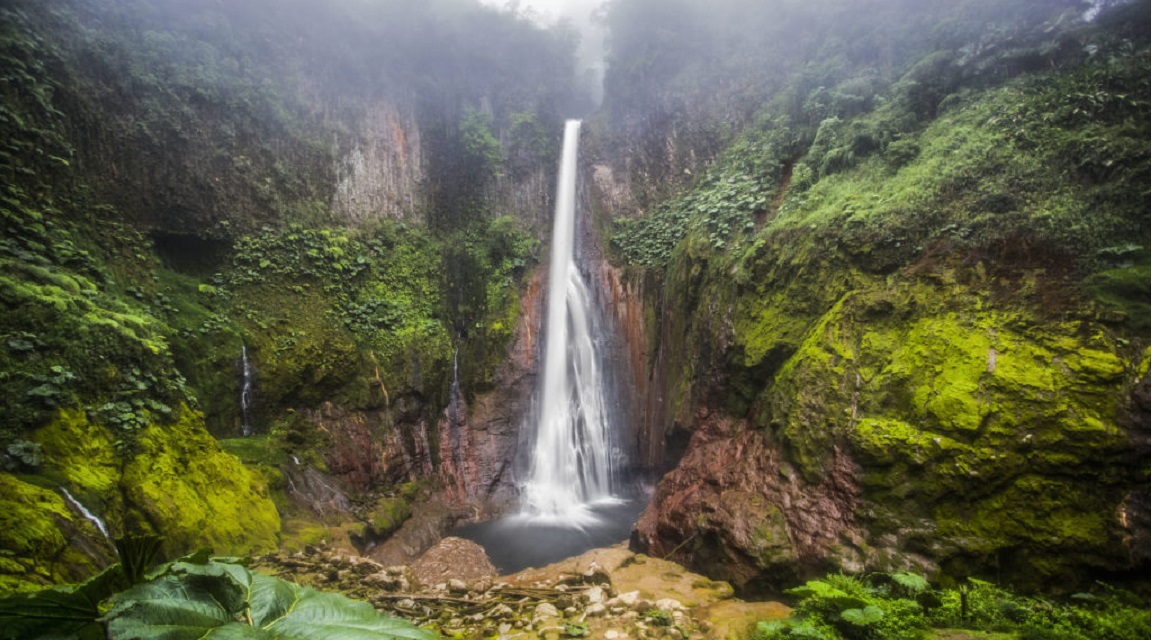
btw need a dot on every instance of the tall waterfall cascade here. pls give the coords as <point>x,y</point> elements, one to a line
<point>570,466</point>
<point>573,465</point>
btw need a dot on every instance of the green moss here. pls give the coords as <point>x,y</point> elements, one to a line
<point>35,544</point>
<point>1035,528</point>
<point>255,450</point>
<point>387,515</point>
<point>771,543</point>
<point>82,454</point>
<point>183,487</point>
<point>998,424</point>
<point>180,484</point>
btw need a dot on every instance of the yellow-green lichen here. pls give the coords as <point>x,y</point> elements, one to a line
<point>38,544</point>
<point>82,453</point>
<point>999,423</point>
<point>183,486</point>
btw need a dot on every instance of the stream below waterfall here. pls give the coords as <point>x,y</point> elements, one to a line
<point>518,542</point>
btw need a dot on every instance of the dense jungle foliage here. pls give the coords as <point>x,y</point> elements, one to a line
<point>934,263</point>
<point>904,605</point>
<point>915,231</point>
<point>167,184</point>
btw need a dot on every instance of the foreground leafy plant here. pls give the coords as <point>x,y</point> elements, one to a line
<point>192,598</point>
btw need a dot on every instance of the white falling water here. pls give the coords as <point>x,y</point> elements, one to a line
<point>245,392</point>
<point>88,515</point>
<point>572,462</point>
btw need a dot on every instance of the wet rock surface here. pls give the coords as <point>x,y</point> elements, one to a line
<point>735,521</point>
<point>604,593</point>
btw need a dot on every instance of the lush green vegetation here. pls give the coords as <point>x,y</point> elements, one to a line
<point>1051,157</point>
<point>905,606</point>
<point>243,248</point>
<point>192,597</point>
<point>168,177</point>
<point>936,268</point>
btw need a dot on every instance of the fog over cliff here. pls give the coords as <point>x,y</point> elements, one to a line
<point>586,16</point>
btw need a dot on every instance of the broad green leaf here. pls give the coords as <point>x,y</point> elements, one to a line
<point>60,612</point>
<point>863,617</point>
<point>172,609</point>
<point>911,581</point>
<point>270,599</point>
<point>316,614</point>
<point>227,601</point>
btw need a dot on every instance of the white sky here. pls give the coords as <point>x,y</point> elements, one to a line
<point>551,10</point>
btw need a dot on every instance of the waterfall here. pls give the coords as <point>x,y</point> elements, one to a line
<point>88,515</point>
<point>245,391</point>
<point>572,465</point>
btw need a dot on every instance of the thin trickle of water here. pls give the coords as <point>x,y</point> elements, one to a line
<point>88,515</point>
<point>245,392</point>
<point>454,390</point>
<point>573,466</point>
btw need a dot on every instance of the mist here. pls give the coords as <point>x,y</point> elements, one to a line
<point>585,16</point>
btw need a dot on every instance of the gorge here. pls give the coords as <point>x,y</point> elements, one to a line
<point>817,288</point>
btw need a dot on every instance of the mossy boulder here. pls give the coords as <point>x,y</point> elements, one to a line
<point>41,541</point>
<point>177,483</point>
<point>987,438</point>
<point>184,487</point>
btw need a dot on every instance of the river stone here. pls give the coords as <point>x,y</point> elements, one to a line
<point>544,611</point>
<point>594,595</point>
<point>454,559</point>
<point>630,598</point>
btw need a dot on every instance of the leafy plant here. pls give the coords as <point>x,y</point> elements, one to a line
<point>658,617</point>
<point>881,606</point>
<point>576,629</point>
<point>192,598</point>
<point>22,452</point>
<point>195,600</point>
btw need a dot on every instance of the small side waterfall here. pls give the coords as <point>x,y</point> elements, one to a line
<point>88,515</point>
<point>573,460</point>
<point>245,392</point>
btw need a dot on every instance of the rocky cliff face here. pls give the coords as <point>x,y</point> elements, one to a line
<point>380,175</point>
<point>479,440</point>
<point>913,429</point>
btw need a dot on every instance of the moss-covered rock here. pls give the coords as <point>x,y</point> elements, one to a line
<point>184,487</point>
<point>996,427</point>
<point>178,484</point>
<point>41,541</point>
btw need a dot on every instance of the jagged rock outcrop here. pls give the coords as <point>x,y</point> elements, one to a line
<point>478,439</point>
<point>735,509</point>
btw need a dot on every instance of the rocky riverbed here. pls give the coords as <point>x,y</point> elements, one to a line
<point>609,593</point>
